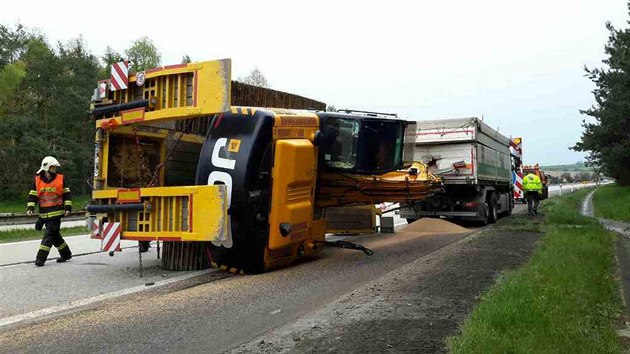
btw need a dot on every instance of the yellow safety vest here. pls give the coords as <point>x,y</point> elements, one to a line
<point>532,183</point>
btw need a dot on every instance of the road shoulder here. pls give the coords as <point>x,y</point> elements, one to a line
<point>411,309</point>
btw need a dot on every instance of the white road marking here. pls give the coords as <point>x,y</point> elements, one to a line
<point>79,303</point>
<point>275,312</point>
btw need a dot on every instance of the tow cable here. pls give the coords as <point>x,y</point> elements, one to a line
<point>347,245</point>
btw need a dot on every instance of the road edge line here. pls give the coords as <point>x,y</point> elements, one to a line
<point>6,321</point>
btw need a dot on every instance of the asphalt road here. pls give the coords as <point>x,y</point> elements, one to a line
<point>216,312</point>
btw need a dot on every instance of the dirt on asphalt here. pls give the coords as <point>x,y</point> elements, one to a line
<point>413,309</point>
<point>433,225</point>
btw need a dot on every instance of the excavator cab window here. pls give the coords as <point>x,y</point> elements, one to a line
<point>382,145</point>
<point>342,139</point>
<point>361,144</point>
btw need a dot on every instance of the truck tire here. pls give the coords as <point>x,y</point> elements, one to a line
<point>492,209</point>
<point>486,215</point>
<point>511,206</point>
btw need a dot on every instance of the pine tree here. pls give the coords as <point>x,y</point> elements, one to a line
<point>608,139</point>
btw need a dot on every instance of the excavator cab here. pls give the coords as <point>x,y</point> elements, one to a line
<point>363,143</point>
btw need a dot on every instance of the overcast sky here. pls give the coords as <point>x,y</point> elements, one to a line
<point>519,64</point>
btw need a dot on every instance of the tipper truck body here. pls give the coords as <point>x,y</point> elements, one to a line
<point>474,163</point>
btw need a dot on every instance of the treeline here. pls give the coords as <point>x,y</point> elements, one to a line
<point>567,177</point>
<point>45,94</point>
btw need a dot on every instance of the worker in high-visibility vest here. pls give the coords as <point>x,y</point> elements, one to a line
<point>532,186</point>
<point>53,197</point>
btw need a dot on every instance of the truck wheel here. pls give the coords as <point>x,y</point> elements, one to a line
<point>410,220</point>
<point>492,209</point>
<point>486,215</point>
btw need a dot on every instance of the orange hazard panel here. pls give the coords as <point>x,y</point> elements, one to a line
<point>294,173</point>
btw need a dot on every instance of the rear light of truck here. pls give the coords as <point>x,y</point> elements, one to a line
<point>470,204</point>
<point>459,165</point>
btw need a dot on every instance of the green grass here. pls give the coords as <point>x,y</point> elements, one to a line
<point>564,299</point>
<point>32,234</point>
<point>19,206</point>
<point>612,202</point>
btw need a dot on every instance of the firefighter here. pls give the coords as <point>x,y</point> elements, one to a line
<point>52,195</point>
<point>532,186</point>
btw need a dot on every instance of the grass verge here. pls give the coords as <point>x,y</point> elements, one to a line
<point>564,299</point>
<point>32,234</point>
<point>19,206</point>
<point>612,202</point>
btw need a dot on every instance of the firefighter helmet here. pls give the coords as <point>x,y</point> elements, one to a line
<point>47,162</point>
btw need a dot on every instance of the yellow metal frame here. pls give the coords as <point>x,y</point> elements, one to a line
<point>206,219</point>
<point>212,84</point>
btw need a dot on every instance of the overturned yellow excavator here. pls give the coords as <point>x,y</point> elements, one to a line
<point>237,186</point>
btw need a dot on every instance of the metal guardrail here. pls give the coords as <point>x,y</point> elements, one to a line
<point>18,219</point>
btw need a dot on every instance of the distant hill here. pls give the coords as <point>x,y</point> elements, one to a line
<point>576,167</point>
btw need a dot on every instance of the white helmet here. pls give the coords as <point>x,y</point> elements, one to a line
<point>47,162</point>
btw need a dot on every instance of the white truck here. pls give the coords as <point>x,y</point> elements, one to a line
<point>475,165</point>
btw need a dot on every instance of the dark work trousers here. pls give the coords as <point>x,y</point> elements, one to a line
<point>532,198</point>
<point>52,237</point>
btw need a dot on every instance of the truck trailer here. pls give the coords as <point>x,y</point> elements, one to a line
<point>475,165</point>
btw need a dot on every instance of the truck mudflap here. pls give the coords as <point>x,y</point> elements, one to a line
<point>188,213</point>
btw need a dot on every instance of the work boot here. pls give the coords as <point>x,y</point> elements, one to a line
<point>41,257</point>
<point>64,253</point>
